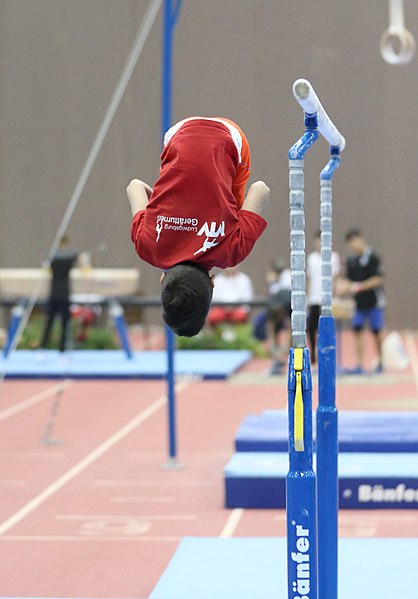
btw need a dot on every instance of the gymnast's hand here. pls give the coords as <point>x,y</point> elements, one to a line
<point>257,198</point>
<point>138,193</point>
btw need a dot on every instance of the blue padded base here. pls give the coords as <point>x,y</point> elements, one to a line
<point>114,364</point>
<point>357,432</point>
<point>366,480</point>
<point>255,568</point>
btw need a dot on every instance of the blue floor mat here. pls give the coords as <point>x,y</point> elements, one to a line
<point>357,431</point>
<point>114,364</point>
<point>366,480</point>
<point>255,568</point>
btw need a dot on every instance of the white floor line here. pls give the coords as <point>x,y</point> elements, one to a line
<point>12,483</point>
<point>82,517</point>
<point>232,523</point>
<point>90,539</point>
<point>413,355</point>
<point>155,483</point>
<point>141,499</point>
<point>30,455</point>
<point>85,462</point>
<point>34,399</point>
<point>209,455</point>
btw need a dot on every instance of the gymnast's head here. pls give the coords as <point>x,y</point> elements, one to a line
<point>186,293</point>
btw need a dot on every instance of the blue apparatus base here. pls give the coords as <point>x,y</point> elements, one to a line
<point>255,568</point>
<point>366,480</point>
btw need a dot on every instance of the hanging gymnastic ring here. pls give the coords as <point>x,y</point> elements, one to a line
<point>404,38</point>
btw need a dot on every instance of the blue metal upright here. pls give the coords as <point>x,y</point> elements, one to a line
<point>301,479</point>
<point>117,313</point>
<point>171,12</point>
<point>321,566</point>
<point>327,414</point>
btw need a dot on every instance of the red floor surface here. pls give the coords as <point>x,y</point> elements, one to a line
<point>100,516</point>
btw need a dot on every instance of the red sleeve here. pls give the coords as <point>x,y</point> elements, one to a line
<point>252,224</point>
<point>251,227</point>
<point>136,228</point>
<point>243,173</point>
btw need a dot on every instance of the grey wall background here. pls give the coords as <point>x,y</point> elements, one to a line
<point>60,60</point>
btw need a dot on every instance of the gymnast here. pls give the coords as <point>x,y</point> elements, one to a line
<point>197,217</point>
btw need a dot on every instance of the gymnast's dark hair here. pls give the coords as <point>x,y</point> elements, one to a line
<point>186,293</point>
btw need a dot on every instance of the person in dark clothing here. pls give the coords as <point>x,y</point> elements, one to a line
<point>278,321</point>
<point>59,295</point>
<point>364,281</point>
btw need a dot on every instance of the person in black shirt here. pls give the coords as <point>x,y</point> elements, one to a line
<point>365,282</point>
<point>278,321</point>
<point>59,295</point>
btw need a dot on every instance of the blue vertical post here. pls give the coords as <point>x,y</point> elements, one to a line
<point>170,18</point>
<point>171,12</point>
<point>117,313</point>
<point>301,479</point>
<point>327,415</point>
<point>15,320</point>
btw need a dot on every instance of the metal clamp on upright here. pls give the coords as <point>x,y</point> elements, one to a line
<point>298,409</point>
<point>299,385</point>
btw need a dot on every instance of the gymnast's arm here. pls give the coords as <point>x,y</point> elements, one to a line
<point>257,198</point>
<point>138,194</point>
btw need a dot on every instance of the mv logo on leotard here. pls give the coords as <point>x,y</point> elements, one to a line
<point>182,224</point>
<point>158,228</point>
<point>212,233</point>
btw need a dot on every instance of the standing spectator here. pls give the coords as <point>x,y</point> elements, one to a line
<point>59,295</point>
<point>273,323</point>
<point>364,282</point>
<point>314,290</point>
<point>278,277</point>
<point>279,329</point>
<point>232,286</point>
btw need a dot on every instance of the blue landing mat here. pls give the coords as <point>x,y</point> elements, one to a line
<point>366,480</point>
<point>255,568</point>
<point>113,364</point>
<point>357,431</point>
